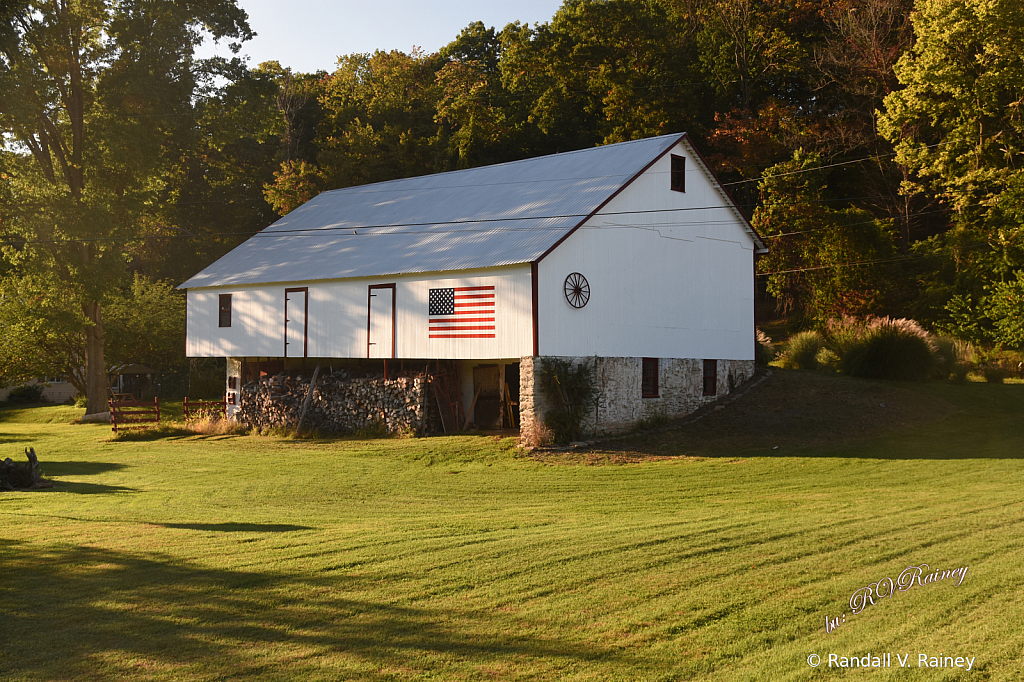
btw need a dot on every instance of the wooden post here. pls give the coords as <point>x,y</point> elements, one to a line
<point>469,415</point>
<point>308,400</point>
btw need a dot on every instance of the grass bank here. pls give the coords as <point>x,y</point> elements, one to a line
<point>707,555</point>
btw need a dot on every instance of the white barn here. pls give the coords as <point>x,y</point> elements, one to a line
<point>630,255</point>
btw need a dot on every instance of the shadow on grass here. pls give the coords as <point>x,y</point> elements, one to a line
<point>238,527</point>
<point>87,488</point>
<point>810,414</point>
<point>113,614</point>
<point>79,468</point>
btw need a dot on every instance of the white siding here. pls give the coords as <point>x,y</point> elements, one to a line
<point>663,283</point>
<point>338,316</point>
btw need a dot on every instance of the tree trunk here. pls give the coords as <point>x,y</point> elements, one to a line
<point>95,368</point>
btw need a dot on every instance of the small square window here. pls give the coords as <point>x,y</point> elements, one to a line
<point>678,181</point>
<point>710,377</point>
<point>649,378</point>
<point>225,310</point>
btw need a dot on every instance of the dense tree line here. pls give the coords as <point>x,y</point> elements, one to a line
<point>874,143</point>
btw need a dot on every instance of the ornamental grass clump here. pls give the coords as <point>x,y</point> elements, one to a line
<point>955,358</point>
<point>764,348</point>
<point>802,351</point>
<point>844,333</point>
<point>891,349</point>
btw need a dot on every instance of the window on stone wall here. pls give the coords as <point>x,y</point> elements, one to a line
<point>649,378</point>
<point>225,310</point>
<point>710,377</point>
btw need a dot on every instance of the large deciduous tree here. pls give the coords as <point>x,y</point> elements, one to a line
<point>957,125</point>
<point>91,91</point>
<point>822,259</point>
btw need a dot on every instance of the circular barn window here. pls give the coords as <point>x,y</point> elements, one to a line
<point>577,290</point>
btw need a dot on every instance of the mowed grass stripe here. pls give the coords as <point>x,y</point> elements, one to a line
<point>452,559</point>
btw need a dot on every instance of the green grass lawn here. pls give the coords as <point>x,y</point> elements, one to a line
<point>229,557</point>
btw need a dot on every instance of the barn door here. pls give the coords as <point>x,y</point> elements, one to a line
<point>380,325</point>
<point>296,322</point>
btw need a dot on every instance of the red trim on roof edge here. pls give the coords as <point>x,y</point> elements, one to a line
<point>605,202</point>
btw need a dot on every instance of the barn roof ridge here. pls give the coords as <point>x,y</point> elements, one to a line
<point>503,163</point>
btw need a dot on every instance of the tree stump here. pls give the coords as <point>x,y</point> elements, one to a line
<point>22,476</point>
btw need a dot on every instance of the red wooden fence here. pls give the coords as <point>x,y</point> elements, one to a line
<point>126,413</point>
<point>197,408</point>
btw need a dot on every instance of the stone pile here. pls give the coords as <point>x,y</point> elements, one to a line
<point>341,404</point>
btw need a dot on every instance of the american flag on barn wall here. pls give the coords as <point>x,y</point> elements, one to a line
<point>462,313</point>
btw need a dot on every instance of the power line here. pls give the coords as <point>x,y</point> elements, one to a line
<point>384,230</point>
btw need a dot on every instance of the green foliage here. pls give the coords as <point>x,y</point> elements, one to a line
<point>997,317</point>
<point>95,99</point>
<point>802,351</point>
<point>957,128</point>
<point>1005,307</point>
<point>146,324</point>
<point>570,389</point>
<point>25,395</point>
<point>994,373</point>
<point>294,184</point>
<point>41,332</point>
<point>811,243</point>
<point>891,349</point>
<point>826,358</point>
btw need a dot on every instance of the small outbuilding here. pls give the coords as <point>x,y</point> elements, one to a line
<point>630,256</point>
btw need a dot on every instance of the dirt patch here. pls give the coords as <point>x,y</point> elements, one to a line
<point>789,410</point>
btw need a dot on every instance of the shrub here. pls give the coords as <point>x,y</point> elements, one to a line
<point>827,359</point>
<point>764,349</point>
<point>958,374</point>
<point>891,349</point>
<point>570,389</point>
<point>994,373</point>
<point>802,351</point>
<point>25,395</point>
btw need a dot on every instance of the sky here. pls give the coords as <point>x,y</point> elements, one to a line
<point>309,35</point>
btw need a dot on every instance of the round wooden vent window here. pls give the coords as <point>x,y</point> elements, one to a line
<point>577,290</point>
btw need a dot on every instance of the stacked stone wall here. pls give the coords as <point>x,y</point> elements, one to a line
<point>619,405</point>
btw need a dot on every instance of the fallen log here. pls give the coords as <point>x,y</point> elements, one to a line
<point>22,476</point>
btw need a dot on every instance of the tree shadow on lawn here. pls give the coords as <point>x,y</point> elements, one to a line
<point>78,488</point>
<point>238,527</point>
<point>88,612</point>
<point>55,468</point>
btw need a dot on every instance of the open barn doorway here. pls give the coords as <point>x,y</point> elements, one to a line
<point>493,399</point>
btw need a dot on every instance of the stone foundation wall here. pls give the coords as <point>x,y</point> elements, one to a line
<point>619,406</point>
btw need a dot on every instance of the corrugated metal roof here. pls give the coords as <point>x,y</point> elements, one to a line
<point>477,218</point>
